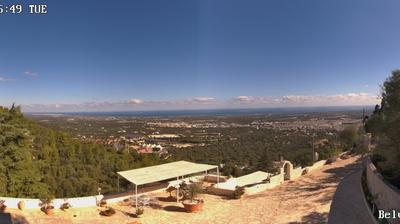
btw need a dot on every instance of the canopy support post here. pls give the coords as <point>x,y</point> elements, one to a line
<point>136,203</point>
<point>177,190</point>
<point>217,175</point>
<point>118,182</point>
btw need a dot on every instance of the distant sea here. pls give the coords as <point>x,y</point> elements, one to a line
<point>214,112</point>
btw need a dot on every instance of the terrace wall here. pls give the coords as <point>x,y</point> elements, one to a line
<point>80,202</point>
<point>388,196</point>
<point>315,166</point>
<point>296,173</point>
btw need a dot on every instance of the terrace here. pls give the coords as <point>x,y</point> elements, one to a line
<point>308,199</point>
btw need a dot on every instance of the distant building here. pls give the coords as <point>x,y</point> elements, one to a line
<point>164,136</point>
<point>145,150</point>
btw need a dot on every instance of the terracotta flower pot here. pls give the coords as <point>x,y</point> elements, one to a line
<point>48,210</point>
<point>108,212</point>
<point>193,206</point>
<point>21,205</point>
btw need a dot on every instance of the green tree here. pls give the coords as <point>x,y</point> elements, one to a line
<point>385,127</point>
<point>349,137</point>
<point>39,162</point>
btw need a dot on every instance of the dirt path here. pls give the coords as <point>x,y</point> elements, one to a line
<point>305,200</point>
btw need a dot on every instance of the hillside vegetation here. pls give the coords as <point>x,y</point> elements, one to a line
<point>257,149</point>
<point>385,127</point>
<point>41,163</point>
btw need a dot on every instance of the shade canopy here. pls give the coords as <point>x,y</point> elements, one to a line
<point>162,172</point>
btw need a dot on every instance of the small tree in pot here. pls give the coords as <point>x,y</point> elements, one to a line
<point>108,212</point>
<point>2,206</point>
<point>190,200</point>
<point>47,206</point>
<point>65,206</point>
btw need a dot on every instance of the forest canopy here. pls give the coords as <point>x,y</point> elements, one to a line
<point>38,162</point>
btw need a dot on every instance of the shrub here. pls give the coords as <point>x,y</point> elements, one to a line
<point>191,191</point>
<point>139,211</point>
<point>238,192</point>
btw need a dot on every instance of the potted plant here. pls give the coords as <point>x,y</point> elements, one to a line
<point>190,200</point>
<point>2,206</point>
<point>65,206</point>
<point>169,190</point>
<point>238,192</point>
<point>21,205</point>
<point>103,203</point>
<point>108,212</point>
<point>139,211</point>
<point>47,206</point>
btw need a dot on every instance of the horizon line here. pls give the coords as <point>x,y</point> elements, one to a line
<point>205,109</point>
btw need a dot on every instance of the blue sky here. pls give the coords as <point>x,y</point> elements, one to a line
<point>177,54</point>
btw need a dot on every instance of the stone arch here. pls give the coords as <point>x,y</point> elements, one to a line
<point>287,170</point>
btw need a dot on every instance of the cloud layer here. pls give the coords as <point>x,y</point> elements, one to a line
<point>206,102</point>
<point>5,79</point>
<point>313,100</point>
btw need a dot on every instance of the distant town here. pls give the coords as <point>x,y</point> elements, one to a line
<point>157,135</point>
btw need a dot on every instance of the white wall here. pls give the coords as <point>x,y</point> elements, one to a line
<point>296,173</point>
<point>315,166</point>
<point>81,202</point>
<point>388,195</point>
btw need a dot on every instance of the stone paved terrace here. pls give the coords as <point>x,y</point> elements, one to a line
<point>305,200</point>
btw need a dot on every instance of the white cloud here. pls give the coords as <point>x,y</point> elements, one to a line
<point>346,99</point>
<point>243,98</point>
<point>204,99</point>
<point>135,101</point>
<point>5,79</point>
<point>30,73</point>
<point>311,100</point>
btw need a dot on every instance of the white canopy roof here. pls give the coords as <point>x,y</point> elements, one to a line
<point>166,171</point>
